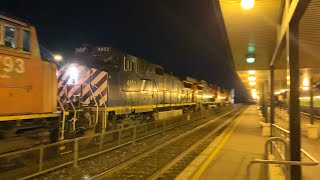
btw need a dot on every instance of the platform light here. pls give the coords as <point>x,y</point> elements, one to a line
<point>247,4</point>
<point>283,90</point>
<point>57,57</point>
<point>251,78</point>
<point>251,60</point>
<point>305,88</point>
<point>252,83</point>
<point>207,96</point>
<point>252,72</point>
<point>277,93</point>
<point>305,82</point>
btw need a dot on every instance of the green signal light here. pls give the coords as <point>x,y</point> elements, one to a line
<point>251,49</point>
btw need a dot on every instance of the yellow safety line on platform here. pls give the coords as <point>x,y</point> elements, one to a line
<point>227,134</point>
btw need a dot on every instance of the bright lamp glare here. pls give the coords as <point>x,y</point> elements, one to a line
<point>305,88</point>
<point>57,57</point>
<point>250,60</point>
<point>254,94</point>
<point>247,4</point>
<point>251,78</point>
<point>73,73</point>
<point>252,72</point>
<point>252,83</point>
<point>305,82</point>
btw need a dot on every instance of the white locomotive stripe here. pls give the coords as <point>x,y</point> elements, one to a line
<point>103,99</point>
<point>64,77</point>
<point>77,86</point>
<point>101,88</point>
<point>60,71</point>
<point>68,81</point>
<point>93,82</point>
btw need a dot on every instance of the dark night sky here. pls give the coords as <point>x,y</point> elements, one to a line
<point>184,36</point>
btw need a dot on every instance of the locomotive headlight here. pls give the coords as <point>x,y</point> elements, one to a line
<point>73,72</point>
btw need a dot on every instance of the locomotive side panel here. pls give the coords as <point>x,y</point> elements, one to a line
<point>24,78</point>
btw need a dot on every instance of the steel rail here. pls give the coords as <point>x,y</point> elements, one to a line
<point>174,161</point>
<point>100,152</point>
<point>144,154</point>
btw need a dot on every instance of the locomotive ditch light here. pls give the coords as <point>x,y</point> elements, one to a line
<point>58,57</point>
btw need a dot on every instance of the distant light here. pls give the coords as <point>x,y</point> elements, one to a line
<point>277,93</point>
<point>283,90</point>
<point>305,88</point>
<point>247,4</point>
<point>305,82</point>
<point>251,78</point>
<point>252,72</point>
<point>250,59</point>
<point>254,90</point>
<point>254,94</point>
<point>252,83</point>
<point>57,57</point>
<point>207,96</point>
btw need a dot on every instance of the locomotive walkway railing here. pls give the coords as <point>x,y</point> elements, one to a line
<point>42,159</point>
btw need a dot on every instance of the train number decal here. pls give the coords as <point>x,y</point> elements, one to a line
<point>9,65</point>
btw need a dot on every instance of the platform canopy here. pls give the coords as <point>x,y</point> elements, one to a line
<point>257,33</point>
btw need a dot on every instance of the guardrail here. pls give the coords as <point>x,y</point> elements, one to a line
<point>279,147</point>
<point>40,159</point>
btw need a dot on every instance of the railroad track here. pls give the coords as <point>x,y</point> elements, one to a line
<point>168,159</point>
<point>126,146</point>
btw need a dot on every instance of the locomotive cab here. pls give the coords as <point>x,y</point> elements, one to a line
<point>27,84</point>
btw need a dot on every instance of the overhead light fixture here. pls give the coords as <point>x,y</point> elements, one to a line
<point>250,58</point>
<point>247,4</point>
<point>252,83</point>
<point>252,72</point>
<point>305,82</point>
<point>251,78</point>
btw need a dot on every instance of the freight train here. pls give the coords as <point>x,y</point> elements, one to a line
<point>97,89</point>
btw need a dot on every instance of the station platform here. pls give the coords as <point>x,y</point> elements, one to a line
<point>228,156</point>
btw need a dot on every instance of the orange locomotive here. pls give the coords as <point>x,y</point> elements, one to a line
<point>28,88</point>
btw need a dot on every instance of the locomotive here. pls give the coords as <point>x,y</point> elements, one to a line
<point>97,89</point>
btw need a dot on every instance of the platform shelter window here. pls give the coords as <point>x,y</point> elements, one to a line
<point>9,37</point>
<point>26,40</point>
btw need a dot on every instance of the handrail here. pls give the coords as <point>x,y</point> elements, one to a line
<point>284,162</point>
<point>280,128</point>
<point>63,119</point>
<point>262,161</point>
<point>97,109</point>
<point>104,124</point>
